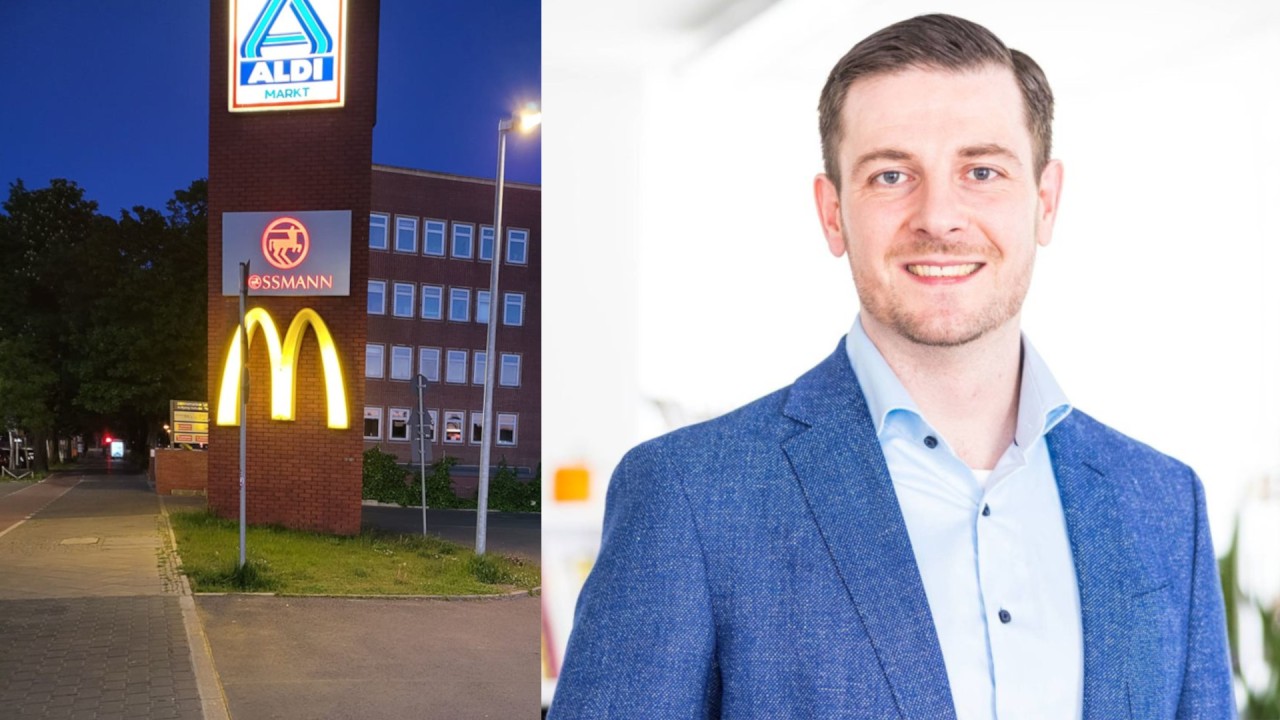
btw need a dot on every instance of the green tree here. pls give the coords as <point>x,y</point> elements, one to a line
<point>144,342</point>
<point>102,322</point>
<point>44,294</point>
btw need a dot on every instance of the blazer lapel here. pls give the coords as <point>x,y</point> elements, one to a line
<point>843,474</point>
<point>1106,566</point>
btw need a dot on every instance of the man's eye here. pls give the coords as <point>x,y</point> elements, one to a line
<point>890,177</point>
<point>983,174</point>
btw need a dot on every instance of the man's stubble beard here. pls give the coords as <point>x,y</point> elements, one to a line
<point>931,330</point>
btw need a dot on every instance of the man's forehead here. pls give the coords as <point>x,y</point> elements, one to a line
<point>935,106</point>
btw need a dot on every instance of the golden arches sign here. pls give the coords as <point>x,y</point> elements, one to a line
<point>284,368</point>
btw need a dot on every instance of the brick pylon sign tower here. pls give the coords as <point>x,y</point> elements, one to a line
<point>292,100</point>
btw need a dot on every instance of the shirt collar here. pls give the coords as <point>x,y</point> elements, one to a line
<point>1041,402</point>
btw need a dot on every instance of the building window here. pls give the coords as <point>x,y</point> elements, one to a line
<point>401,362</point>
<point>507,428</point>
<point>403,306</point>
<point>477,368</point>
<point>453,421</point>
<point>377,297</point>
<point>463,234</point>
<point>432,302</point>
<point>513,309</point>
<point>378,231</point>
<point>482,306</point>
<point>477,427</point>
<point>429,363</point>
<point>373,423</point>
<point>517,246</point>
<point>373,360</point>
<point>486,242</point>
<point>433,416</point>
<point>455,370</point>
<point>459,304</point>
<point>398,424</point>
<point>433,237</point>
<point>406,234</point>
<point>509,371</point>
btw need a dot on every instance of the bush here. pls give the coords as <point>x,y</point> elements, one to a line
<point>440,492</point>
<point>385,480</point>
<point>509,494</point>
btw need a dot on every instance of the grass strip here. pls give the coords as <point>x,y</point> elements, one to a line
<point>306,563</point>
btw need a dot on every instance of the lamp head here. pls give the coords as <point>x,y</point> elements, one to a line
<point>529,118</point>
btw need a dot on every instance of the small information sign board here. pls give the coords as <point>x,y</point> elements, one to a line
<point>189,422</point>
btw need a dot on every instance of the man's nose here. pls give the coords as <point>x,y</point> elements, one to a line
<point>940,210</point>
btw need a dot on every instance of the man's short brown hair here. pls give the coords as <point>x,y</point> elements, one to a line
<point>943,42</point>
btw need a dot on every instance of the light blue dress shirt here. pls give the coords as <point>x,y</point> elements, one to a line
<point>992,547</point>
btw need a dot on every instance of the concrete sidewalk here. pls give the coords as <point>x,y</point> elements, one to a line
<point>94,623</point>
<point>91,611</point>
<point>373,659</point>
<point>376,659</point>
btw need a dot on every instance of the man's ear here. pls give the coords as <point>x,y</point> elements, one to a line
<point>1049,193</point>
<point>827,198</point>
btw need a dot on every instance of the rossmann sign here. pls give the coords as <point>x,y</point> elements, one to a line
<point>289,253</point>
<point>286,54</point>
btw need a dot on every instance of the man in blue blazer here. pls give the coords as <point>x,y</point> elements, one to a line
<point>921,526</point>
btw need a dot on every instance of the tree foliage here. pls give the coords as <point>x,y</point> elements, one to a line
<point>102,321</point>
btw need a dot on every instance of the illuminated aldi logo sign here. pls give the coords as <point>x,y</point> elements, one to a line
<point>287,54</point>
<point>289,253</point>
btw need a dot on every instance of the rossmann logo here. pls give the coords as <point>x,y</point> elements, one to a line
<point>285,245</point>
<point>286,54</point>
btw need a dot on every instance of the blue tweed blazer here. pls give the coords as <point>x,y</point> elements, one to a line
<point>758,566</point>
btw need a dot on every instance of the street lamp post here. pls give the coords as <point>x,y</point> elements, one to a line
<point>244,395</point>
<point>525,121</point>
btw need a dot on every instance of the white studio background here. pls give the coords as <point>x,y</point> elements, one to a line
<point>685,271</point>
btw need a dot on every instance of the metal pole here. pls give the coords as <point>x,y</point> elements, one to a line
<point>244,392</point>
<point>486,428</point>
<point>422,448</point>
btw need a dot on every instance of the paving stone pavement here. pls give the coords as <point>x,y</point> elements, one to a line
<point>90,620</point>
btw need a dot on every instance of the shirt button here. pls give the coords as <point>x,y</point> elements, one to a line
<point>930,442</point>
<point>1005,617</point>
<point>986,510</point>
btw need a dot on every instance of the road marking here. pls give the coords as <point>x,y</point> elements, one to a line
<point>59,491</point>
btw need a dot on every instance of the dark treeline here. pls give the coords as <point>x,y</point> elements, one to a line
<point>102,320</point>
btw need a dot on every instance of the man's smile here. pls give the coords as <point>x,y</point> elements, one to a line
<point>934,272</point>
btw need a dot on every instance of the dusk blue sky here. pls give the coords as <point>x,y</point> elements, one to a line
<point>113,95</point>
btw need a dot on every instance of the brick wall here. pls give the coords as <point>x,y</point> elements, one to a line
<point>400,192</point>
<point>184,471</point>
<point>301,473</point>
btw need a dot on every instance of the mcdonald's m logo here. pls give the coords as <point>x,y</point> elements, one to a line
<point>284,368</point>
